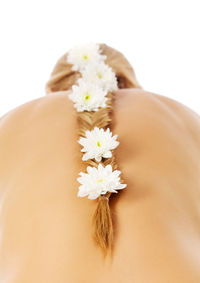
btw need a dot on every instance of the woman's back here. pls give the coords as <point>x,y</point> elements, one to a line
<point>46,229</point>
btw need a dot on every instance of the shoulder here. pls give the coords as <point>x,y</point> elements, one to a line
<point>37,135</point>
<point>36,128</point>
<point>145,101</point>
<point>149,112</point>
<point>36,111</point>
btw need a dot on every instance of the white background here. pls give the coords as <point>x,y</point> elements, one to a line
<point>159,38</point>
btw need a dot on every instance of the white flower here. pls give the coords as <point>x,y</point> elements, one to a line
<point>97,144</point>
<point>82,55</point>
<point>101,74</point>
<point>87,96</point>
<point>99,181</point>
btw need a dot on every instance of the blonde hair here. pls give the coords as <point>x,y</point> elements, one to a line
<point>62,78</point>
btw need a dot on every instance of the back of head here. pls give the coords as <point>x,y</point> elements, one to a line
<point>63,77</point>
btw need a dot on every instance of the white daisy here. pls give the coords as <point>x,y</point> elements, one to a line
<point>81,55</point>
<point>97,144</point>
<point>101,74</point>
<point>99,181</point>
<point>87,96</point>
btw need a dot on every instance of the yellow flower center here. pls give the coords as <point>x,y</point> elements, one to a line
<point>98,143</point>
<point>87,96</point>
<point>85,57</point>
<point>100,180</point>
<point>99,75</point>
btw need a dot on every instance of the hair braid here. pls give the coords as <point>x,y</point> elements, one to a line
<point>63,77</point>
<point>102,220</point>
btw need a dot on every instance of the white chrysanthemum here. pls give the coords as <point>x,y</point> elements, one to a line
<point>101,74</point>
<point>97,144</point>
<point>82,55</point>
<point>88,96</point>
<point>99,181</point>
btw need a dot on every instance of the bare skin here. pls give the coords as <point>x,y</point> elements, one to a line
<point>45,229</point>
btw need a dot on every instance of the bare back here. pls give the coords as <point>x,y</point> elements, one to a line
<point>45,229</point>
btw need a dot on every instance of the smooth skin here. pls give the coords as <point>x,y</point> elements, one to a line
<point>45,229</point>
